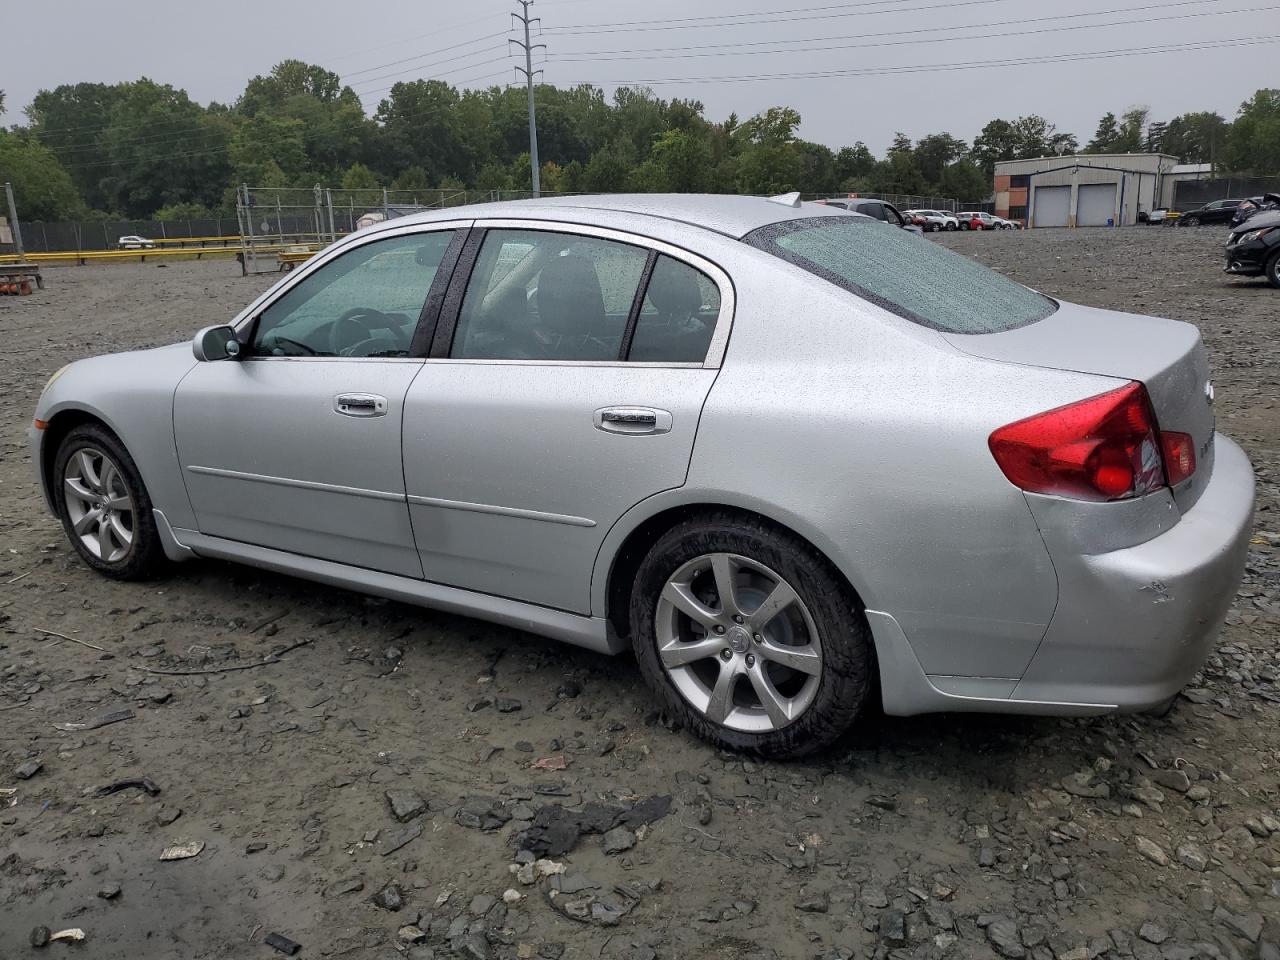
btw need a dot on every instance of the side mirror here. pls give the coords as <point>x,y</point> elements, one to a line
<point>216,343</point>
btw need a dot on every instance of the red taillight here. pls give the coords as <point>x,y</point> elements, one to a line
<point>1103,448</point>
<point>1179,456</point>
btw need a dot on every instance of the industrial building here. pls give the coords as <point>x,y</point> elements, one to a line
<point>1088,190</point>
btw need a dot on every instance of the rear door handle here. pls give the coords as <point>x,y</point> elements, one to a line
<point>360,405</point>
<point>632,420</point>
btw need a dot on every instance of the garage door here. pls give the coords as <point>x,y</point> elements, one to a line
<point>1052,206</point>
<point>1096,204</point>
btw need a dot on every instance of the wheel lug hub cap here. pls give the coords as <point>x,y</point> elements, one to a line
<point>739,639</point>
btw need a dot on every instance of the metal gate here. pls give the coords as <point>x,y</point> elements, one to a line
<point>1052,206</point>
<point>1095,204</point>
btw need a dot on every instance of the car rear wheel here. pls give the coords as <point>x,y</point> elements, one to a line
<point>104,506</point>
<point>1273,269</point>
<point>749,637</point>
<point>964,226</point>
<point>1191,221</point>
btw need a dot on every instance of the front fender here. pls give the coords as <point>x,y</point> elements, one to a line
<point>132,394</point>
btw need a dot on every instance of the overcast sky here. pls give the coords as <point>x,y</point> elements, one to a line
<point>707,48</point>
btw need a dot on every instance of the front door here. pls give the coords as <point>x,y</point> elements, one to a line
<point>566,389</point>
<point>296,445</point>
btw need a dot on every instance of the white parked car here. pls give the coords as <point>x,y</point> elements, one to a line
<point>135,243</point>
<point>1006,224</point>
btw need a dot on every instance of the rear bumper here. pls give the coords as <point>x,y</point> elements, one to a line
<point>1132,626</point>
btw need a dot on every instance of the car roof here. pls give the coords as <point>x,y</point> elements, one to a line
<point>734,216</point>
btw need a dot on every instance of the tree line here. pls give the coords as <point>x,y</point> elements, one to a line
<point>142,150</point>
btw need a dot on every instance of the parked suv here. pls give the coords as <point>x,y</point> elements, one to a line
<point>876,209</point>
<point>976,220</point>
<point>1217,211</point>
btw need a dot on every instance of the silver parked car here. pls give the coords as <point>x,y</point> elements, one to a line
<point>793,458</point>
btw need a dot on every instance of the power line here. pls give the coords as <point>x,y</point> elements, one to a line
<point>634,26</point>
<point>430,53</point>
<point>657,54</point>
<point>966,65</point>
<point>716,19</point>
<point>921,30</point>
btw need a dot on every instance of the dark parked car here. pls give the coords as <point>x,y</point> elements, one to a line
<point>1253,249</point>
<point>1254,205</point>
<point>1217,211</point>
<point>877,209</point>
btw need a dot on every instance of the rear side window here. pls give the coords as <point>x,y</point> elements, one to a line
<point>908,275</point>
<point>678,315</point>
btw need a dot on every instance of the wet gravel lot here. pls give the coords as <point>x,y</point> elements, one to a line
<point>368,793</point>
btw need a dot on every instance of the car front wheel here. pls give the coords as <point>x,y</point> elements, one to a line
<point>1273,269</point>
<point>104,506</point>
<point>748,636</point>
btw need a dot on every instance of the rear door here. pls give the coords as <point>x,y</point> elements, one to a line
<point>565,386</point>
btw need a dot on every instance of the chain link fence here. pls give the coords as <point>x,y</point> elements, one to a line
<point>269,219</point>
<point>1190,194</point>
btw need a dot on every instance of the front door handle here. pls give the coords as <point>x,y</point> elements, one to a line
<point>632,420</point>
<point>360,405</point>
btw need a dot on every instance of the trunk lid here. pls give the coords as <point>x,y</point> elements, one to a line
<point>1166,356</point>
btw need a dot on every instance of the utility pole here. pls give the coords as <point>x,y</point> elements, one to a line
<point>529,73</point>
<point>14,226</point>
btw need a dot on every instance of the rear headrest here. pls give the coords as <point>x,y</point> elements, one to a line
<point>569,296</point>
<point>674,290</point>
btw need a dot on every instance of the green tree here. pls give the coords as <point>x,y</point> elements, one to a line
<point>1254,141</point>
<point>183,211</point>
<point>999,140</point>
<point>72,120</point>
<point>609,169</point>
<point>964,181</point>
<point>42,188</point>
<point>359,177</point>
<point>1195,137</point>
<point>1106,136</point>
<point>935,153</point>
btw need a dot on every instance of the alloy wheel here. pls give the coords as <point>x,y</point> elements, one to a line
<point>99,505</point>
<point>738,643</point>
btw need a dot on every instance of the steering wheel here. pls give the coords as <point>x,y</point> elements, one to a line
<point>342,344</point>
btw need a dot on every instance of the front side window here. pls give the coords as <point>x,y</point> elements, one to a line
<point>365,303</point>
<point>914,278</point>
<point>537,295</point>
<point>678,316</point>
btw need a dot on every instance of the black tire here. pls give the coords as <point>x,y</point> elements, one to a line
<point>845,681</point>
<point>953,226</point>
<point>964,226</point>
<point>145,555</point>
<point>1190,221</point>
<point>1273,269</point>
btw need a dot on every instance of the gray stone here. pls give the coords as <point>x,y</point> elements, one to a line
<point>1082,785</point>
<point>874,897</point>
<point>617,840</point>
<point>815,903</point>
<point>109,891</point>
<point>390,897</point>
<point>342,887</point>
<point>1192,857</point>
<point>893,927</point>
<point>1153,933</point>
<point>1003,935</point>
<point>507,705</point>
<point>1173,779</point>
<point>1248,925</point>
<point>481,904</point>
<point>394,841</point>
<point>28,768</point>
<point>1151,850</point>
<point>405,804</point>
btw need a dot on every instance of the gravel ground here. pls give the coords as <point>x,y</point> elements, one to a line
<point>367,794</point>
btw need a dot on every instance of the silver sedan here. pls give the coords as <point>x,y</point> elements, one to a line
<point>795,460</point>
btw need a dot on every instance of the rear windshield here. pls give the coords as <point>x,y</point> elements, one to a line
<point>907,274</point>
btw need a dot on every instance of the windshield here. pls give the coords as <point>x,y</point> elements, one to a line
<point>913,277</point>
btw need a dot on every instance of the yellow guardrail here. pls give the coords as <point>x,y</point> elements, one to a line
<point>109,256</point>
